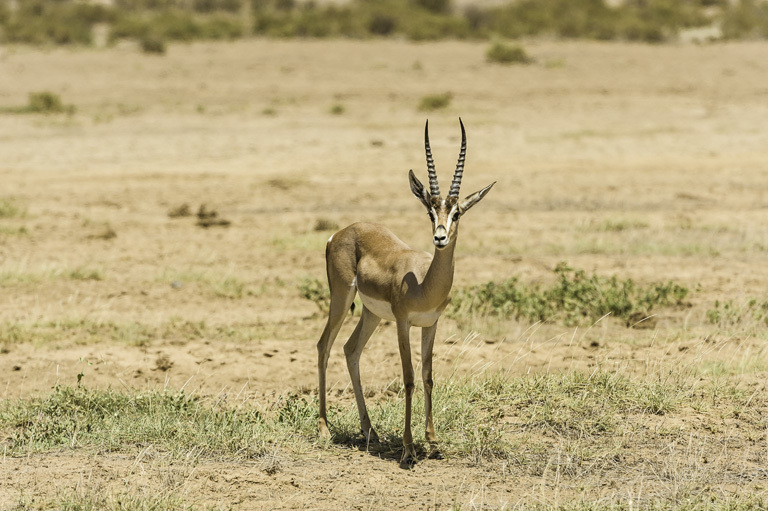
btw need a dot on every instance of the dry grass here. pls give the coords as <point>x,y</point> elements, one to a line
<point>626,178</point>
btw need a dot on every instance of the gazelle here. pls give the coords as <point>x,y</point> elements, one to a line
<point>395,283</point>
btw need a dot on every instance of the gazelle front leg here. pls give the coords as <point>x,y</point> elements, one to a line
<point>403,341</point>
<point>427,343</point>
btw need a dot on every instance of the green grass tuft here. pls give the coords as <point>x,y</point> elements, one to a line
<point>10,209</point>
<point>316,291</point>
<point>576,298</point>
<point>77,416</point>
<point>433,102</point>
<point>503,53</point>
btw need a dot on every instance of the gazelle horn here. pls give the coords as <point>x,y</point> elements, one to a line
<point>434,189</point>
<point>456,183</point>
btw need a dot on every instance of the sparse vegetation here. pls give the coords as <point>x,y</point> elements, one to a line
<point>75,416</point>
<point>727,313</point>
<point>325,224</point>
<point>316,291</point>
<point>504,53</point>
<point>153,45</point>
<point>10,209</point>
<point>337,109</point>
<point>433,102</point>
<point>85,331</point>
<point>208,217</point>
<point>43,102</point>
<point>575,423</point>
<point>152,23</point>
<point>575,298</point>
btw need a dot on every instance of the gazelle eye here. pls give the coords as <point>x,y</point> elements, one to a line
<point>431,216</point>
<point>456,217</point>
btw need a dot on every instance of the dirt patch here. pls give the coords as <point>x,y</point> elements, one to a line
<point>647,162</point>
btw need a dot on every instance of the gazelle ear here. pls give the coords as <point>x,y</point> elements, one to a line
<point>474,198</point>
<point>418,190</point>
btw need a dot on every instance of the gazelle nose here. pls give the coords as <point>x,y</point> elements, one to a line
<point>441,235</point>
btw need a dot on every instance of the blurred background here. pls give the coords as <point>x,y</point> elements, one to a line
<point>154,23</point>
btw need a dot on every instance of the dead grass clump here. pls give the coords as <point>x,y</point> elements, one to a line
<point>106,232</point>
<point>210,218</point>
<point>163,362</point>
<point>284,183</point>
<point>325,224</point>
<point>182,210</point>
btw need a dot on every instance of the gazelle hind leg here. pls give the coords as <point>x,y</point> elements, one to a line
<point>353,349</point>
<point>341,300</point>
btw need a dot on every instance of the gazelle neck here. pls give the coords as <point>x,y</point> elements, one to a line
<point>439,278</point>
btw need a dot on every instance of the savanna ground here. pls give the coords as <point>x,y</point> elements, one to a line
<point>644,162</point>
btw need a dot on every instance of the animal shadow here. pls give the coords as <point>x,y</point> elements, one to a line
<point>387,447</point>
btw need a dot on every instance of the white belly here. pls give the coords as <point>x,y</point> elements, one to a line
<point>383,309</point>
<point>379,307</point>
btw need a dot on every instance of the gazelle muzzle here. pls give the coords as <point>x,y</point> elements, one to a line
<point>440,237</point>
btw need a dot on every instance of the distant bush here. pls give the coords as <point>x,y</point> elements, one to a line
<point>232,6</point>
<point>337,109</point>
<point>436,6</point>
<point>504,53</point>
<point>176,25</point>
<point>435,101</point>
<point>152,44</point>
<point>72,21</point>
<point>575,298</point>
<point>51,22</point>
<point>747,19</point>
<point>45,103</point>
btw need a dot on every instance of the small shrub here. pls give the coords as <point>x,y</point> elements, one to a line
<point>85,274</point>
<point>435,6</point>
<point>745,19</point>
<point>324,224</point>
<point>47,103</point>
<point>337,109</point>
<point>502,53</point>
<point>152,45</point>
<point>317,292</point>
<point>382,24</point>
<point>435,102</point>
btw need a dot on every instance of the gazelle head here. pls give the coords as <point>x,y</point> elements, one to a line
<point>445,212</point>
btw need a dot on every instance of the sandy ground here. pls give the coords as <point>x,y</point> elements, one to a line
<point>670,141</point>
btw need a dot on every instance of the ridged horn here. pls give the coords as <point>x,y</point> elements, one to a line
<point>434,189</point>
<point>456,183</point>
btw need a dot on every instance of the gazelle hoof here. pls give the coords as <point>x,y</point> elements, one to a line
<point>409,457</point>
<point>322,428</point>
<point>435,454</point>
